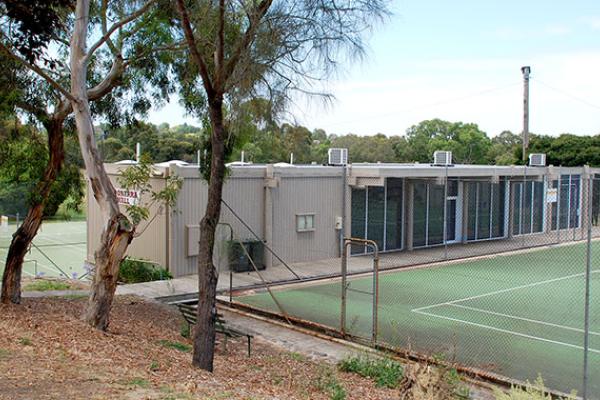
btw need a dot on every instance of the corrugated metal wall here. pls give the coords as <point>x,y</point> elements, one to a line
<point>245,194</point>
<point>152,242</point>
<point>318,195</point>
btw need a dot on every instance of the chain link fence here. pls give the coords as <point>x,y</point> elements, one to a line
<point>497,275</point>
<point>58,249</point>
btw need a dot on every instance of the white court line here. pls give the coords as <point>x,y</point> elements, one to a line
<point>523,319</point>
<point>508,331</point>
<point>447,303</point>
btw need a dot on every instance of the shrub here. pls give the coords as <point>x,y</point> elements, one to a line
<point>184,330</point>
<point>384,371</point>
<point>135,271</point>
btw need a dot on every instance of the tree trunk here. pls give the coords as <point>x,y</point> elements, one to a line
<point>118,231</point>
<point>114,242</point>
<point>204,336</point>
<point>22,238</point>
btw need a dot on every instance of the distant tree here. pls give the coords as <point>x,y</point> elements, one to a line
<point>367,148</point>
<point>505,149</point>
<point>567,149</point>
<point>469,144</point>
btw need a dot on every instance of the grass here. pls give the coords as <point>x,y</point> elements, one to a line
<point>44,285</point>
<point>186,348</point>
<point>141,382</point>
<point>297,356</point>
<point>531,391</point>
<point>154,366</point>
<point>386,372</point>
<point>4,354</point>
<point>327,382</point>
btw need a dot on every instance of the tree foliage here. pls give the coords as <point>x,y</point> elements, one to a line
<point>23,157</point>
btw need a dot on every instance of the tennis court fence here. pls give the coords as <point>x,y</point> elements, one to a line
<point>58,250</point>
<point>499,277</point>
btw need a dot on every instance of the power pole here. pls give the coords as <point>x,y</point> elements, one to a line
<point>525,70</point>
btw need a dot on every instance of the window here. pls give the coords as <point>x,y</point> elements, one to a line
<point>377,215</point>
<point>305,222</point>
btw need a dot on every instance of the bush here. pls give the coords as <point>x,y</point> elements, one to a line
<point>384,371</point>
<point>135,271</point>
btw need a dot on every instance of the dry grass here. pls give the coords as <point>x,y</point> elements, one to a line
<point>47,352</point>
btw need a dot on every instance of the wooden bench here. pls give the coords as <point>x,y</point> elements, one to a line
<point>190,314</point>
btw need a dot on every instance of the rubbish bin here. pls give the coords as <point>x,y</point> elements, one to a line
<point>238,261</point>
<point>256,248</point>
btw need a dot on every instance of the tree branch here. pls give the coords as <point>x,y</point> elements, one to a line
<point>247,39</point>
<point>219,53</point>
<point>191,41</point>
<point>38,71</point>
<point>103,24</point>
<point>64,108</point>
<point>117,25</point>
<point>178,46</point>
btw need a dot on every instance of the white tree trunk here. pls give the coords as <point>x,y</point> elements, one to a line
<point>117,231</point>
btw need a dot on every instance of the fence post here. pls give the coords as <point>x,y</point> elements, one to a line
<point>445,225</point>
<point>588,271</point>
<point>344,272</point>
<point>375,294</point>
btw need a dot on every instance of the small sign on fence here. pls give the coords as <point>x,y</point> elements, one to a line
<point>551,195</point>
<point>4,222</point>
<point>128,197</point>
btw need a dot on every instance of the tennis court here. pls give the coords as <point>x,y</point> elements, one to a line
<point>58,246</point>
<point>516,315</point>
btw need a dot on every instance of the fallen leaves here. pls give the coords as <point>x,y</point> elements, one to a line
<point>65,358</point>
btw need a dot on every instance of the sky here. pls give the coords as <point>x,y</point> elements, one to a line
<point>461,61</point>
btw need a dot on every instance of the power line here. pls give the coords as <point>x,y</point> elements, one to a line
<point>428,105</point>
<point>576,98</point>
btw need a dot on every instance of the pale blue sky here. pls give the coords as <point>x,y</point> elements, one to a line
<point>460,61</point>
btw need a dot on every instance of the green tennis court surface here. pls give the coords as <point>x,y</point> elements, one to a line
<point>58,245</point>
<point>517,315</point>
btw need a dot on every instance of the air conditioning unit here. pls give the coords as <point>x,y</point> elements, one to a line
<point>442,158</point>
<point>338,156</point>
<point>537,160</point>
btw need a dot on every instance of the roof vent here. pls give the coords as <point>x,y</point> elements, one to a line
<point>537,160</point>
<point>442,157</point>
<point>338,156</point>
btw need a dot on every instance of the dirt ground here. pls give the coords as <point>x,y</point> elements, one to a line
<point>47,352</point>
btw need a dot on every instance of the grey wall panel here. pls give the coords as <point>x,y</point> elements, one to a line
<point>319,195</point>
<point>244,195</point>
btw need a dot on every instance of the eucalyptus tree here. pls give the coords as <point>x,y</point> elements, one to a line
<point>124,70</point>
<point>243,49</point>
